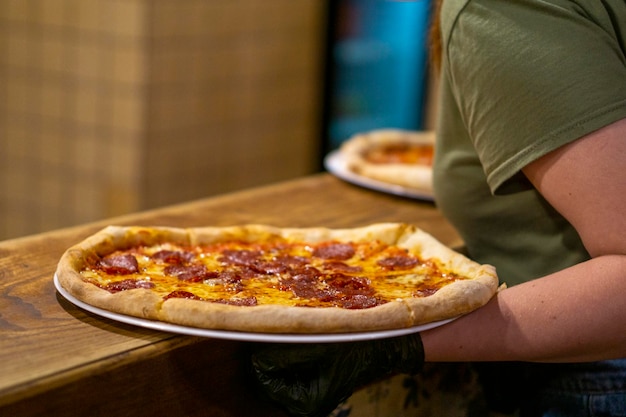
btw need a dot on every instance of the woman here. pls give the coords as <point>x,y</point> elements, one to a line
<point>531,169</point>
<point>532,146</point>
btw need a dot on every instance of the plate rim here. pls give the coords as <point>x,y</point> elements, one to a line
<point>335,163</point>
<point>240,335</point>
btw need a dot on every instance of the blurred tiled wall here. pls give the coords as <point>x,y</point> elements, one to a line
<point>113,106</point>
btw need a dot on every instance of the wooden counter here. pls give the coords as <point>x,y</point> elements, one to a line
<point>56,359</point>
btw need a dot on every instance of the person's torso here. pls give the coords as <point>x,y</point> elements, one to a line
<point>498,112</point>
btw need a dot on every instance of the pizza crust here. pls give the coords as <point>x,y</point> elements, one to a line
<point>455,299</point>
<point>413,176</point>
<point>138,303</point>
<point>284,319</point>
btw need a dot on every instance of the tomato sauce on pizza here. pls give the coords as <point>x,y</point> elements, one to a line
<point>392,156</point>
<point>259,278</point>
<point>400,153</point>
<point>352,275</point>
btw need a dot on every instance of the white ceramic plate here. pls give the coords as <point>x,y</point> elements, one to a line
<point>243,336</point>
<point>335,162</point>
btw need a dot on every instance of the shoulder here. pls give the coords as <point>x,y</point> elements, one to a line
<point>522,27</point>
<point>464,21</point>
<point>519,70</point>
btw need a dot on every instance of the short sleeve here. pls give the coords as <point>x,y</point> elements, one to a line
<point>530,76</point>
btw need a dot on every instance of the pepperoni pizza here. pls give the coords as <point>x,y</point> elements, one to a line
<point>257,278</point>
<point>393,156</point>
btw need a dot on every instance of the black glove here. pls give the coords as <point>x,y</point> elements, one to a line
<point>311,380</point>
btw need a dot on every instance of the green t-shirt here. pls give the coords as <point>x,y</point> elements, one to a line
<point>519,79</point>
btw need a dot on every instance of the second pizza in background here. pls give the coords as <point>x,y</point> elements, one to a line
<point>394,156</point>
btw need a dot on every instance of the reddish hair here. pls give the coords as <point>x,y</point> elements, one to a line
<point>434,34</point>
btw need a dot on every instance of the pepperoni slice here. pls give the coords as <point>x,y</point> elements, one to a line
<point>240,257</point>
<point>398,262</point>
<point>230,277</point>
<point>425,292</point>
<point>359,301</point>
<point>304,283</point>
<point>337,251</point>
<point>119,264</point>
<point>189,273</point>
<point>281,264</point>
<point>270,267</point>
<point>306,290</point>
<point>348,286</point>
<point>182,294</point>
<point>173,256</point>
<point>338,266</point>
<point>128,284</point>
<point>291,260</point>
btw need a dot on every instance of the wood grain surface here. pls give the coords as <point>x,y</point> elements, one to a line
<point>56,359</point>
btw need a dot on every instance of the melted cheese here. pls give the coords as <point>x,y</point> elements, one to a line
<point>360,275</point>
<point>401,153</point>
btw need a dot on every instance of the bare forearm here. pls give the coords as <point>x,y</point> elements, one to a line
<point>578,314</point>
